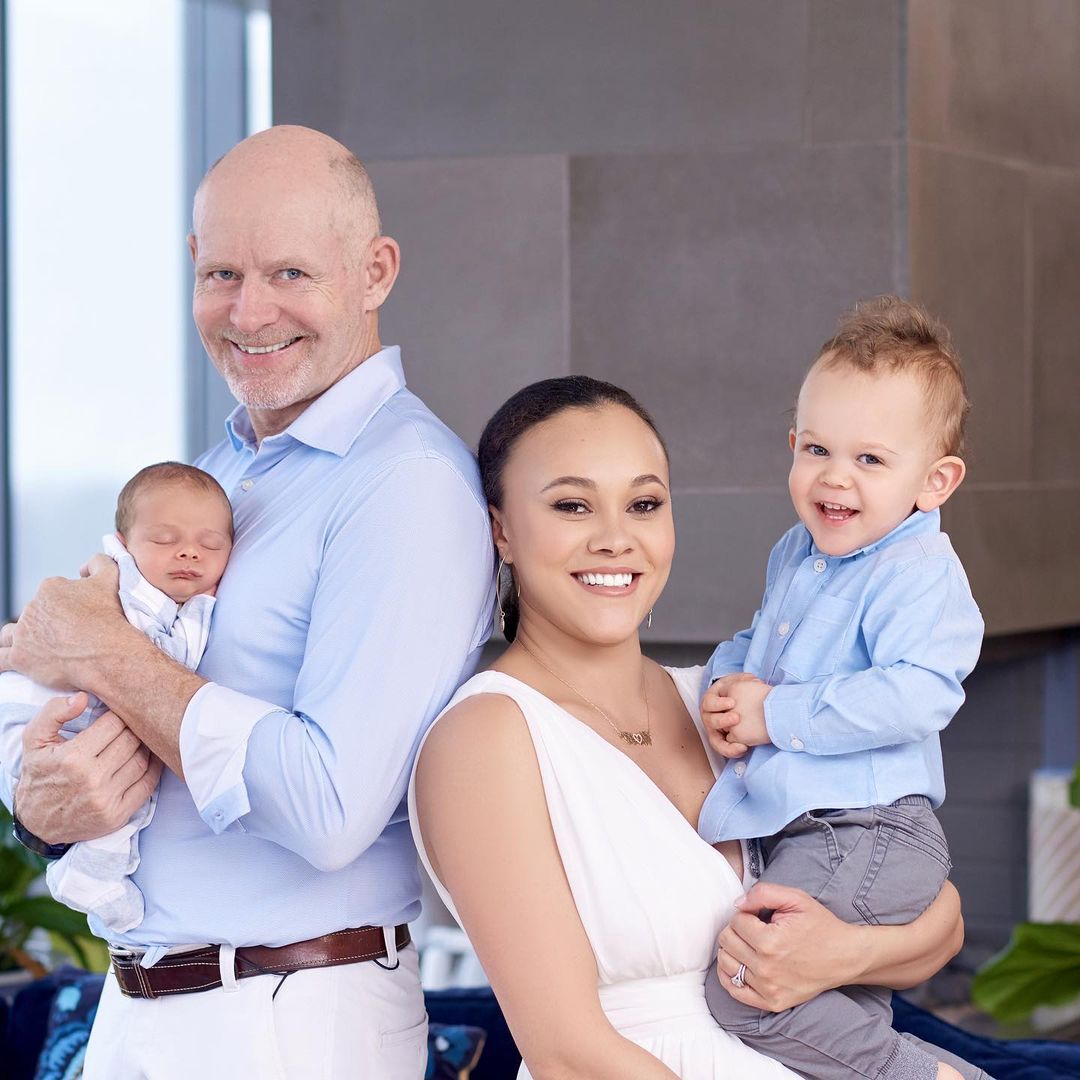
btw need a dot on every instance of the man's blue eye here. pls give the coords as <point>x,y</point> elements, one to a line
<point>224,275</point>
<point>293,274</point>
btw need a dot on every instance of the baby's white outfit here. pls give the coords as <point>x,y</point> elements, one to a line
<point>95,875</point>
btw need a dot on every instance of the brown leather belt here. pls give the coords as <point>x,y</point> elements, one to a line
<point>200,969</point>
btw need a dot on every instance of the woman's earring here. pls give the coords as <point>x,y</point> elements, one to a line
<point>498,597</point>
<point>648,621</point>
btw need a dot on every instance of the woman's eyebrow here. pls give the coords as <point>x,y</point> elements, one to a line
<point>576,481</point>
<point>647,478</point>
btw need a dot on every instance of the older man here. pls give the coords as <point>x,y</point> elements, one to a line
<point>356,600</point>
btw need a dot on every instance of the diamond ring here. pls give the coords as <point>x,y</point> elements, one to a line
<point>739,978</point>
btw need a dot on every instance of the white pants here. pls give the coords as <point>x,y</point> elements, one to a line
<point>357,1021</point>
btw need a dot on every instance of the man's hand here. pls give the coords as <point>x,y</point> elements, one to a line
<point>66,629</point>
<point>86,786</point>
<point>732,711</point>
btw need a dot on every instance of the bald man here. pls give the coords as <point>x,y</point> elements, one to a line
<point>278,872</point>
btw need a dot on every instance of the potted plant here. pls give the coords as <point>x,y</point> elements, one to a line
<point>25,908</point>
<point>1039,967</point>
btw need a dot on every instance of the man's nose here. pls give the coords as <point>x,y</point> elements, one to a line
<point>254,306</point>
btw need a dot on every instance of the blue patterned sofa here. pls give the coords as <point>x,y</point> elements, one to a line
<point>46,1024</point>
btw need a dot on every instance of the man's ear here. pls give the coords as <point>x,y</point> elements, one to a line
<point>381,270</point>
<point>498,534</point>
<point>944,477</point>
<point>192,246</point>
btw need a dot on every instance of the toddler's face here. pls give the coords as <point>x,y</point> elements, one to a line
<point>179,538</point>
<point>863,455</point>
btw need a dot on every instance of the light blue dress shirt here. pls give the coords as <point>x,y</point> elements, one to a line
<point>865,653</point>
<point>356,600</point>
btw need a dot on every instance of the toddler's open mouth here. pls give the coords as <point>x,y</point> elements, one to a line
<point>835,512</point>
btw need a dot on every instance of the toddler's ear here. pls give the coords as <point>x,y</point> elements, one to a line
<point>791,438</point>
<point>944,477</point>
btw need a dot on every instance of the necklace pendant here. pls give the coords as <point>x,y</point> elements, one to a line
<point>636,738</point>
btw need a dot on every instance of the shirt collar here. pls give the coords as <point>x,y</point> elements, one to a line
<point>919,523</point>
<point>336,417</point>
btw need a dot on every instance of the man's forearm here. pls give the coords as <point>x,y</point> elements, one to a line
<point>145,688</point>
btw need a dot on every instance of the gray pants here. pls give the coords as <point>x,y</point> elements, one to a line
<point>879,864</point>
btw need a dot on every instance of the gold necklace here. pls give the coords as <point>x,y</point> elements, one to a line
<point>634,738</point>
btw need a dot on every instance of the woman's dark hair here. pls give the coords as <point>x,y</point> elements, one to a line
<point>530,406</point>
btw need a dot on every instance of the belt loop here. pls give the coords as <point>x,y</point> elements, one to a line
<point>227,966</point>
<point>389,934</point>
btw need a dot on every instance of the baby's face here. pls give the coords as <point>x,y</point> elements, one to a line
<point>179,538</point>
<point>862,455</point>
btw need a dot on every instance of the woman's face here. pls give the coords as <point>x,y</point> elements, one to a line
<point>586,522</point>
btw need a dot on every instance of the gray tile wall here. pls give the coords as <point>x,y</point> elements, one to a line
<point>994,226</point>
<point>682,198</point>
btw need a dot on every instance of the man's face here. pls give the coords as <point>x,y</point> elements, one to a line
<point>180,538</point>
<point>862,455</point>
<point>279,293</point>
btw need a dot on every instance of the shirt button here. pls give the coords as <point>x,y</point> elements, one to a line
<point>820,566</point>
<point>740,768</point>
<point>247,485</point>
<point>796,742</point>
<point>218,815</point>
<point>783,628</point>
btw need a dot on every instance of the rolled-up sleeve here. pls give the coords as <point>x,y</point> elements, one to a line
<point>924,632</point>
<point>399,605</point>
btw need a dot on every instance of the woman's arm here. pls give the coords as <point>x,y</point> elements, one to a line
<point>805,949</point>
<point>484,820</point>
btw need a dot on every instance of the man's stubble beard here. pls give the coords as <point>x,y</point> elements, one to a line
<point>272,389</point>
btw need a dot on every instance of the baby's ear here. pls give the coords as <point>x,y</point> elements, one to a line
<point>944,477</point>
<point>120,537</point>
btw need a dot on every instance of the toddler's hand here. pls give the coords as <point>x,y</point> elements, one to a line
<point>718,718</point>
<point>745,724</point>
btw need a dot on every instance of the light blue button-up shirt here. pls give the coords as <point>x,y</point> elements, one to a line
<point>356,600</point>
<point>865,653</point>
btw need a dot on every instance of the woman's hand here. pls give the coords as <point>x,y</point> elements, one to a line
<point>804,949</point>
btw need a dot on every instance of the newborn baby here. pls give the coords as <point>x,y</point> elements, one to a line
<point>174,533</point>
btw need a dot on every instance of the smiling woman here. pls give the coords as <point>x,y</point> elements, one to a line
<point>555,800</point>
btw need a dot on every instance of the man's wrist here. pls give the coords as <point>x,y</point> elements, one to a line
<point>33,843</point>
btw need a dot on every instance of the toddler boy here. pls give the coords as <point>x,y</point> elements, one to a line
<point>831,702</point>
<point>174,533</point>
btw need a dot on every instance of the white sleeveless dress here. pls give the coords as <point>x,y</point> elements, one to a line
<point>651,894</point>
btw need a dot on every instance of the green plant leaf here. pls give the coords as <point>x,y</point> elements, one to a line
<point>1040,966</point>
<point>90,953</point>
<point>48,914</point>
<point>1074,788</point>
<point>13,871</point>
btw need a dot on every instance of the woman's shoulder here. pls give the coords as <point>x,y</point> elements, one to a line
<point>482,718</point>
